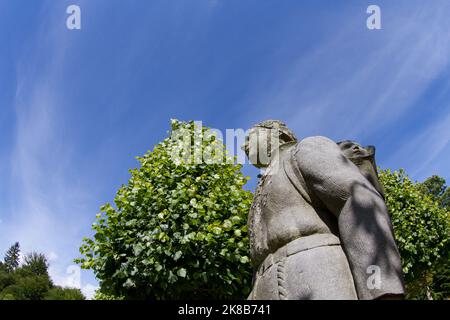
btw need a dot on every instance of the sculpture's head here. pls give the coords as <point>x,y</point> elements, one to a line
<point>355,152</point>
<point>263,138</point>
<point>364,159</point>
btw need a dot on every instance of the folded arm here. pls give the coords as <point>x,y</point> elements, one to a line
<point>364,225</point>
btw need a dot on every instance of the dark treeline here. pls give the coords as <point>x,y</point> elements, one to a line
<point>30,280</point>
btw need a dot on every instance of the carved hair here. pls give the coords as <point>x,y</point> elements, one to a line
<point>285,134</point>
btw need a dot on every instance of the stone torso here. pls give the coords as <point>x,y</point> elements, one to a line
<point>282,209</point>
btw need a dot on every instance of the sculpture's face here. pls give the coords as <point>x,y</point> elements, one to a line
<point>354,151</point>
<point>364,159</point>
<point>259,145</point>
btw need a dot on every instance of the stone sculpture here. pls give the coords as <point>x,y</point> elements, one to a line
<point>319,227</point>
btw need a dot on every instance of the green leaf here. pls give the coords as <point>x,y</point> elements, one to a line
<point>244,259</point>
<point>182,272</point>
<point>177,255</point>
<point>129,284</point>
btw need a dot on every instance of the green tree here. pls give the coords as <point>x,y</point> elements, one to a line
<point>30,287</point>
<point>178,228</point>
<point>7,296</point>
<point>445,199</point>
<point>36,263</point>
<point>25,286</point>
<point>102,296</point>
<point>31,281</point>
<point>11,260</point>
<point>58,293</point>
<point>435,186</point>
<point>6,279</point>
<point>422,230</point>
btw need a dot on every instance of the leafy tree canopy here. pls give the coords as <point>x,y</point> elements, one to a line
<point>102,296</point>
<point>36,263</point>
<point>436,188</point>
<point>30,281</point>
<point>178,228</point>
<point>422,229</point>
<point>59,293</point>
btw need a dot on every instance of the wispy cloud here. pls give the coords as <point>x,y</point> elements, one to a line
<point>424,152</point>
<point>358,83</point>
<point>44,199</point>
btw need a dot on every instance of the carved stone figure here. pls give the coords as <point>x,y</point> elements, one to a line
<point>319,227</point>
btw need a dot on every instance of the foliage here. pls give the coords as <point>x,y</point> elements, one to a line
<point>36,263</point>
<point>445,199</point>
<point>422,229</point>
<point>102,296</point>
<point>435,186</point>
<point>58,293</point>
<point>11,260</point>
<point>179,227</point>
<point>7,296</point>
<point>31,280</point>
<point>6,279</point>
<point>28,288</point>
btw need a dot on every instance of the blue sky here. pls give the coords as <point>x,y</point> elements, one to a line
<point>77,106</point>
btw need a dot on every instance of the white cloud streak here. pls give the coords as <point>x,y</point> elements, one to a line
<point>426,149</point>
<point>44,201</point>
<point>335,90</point>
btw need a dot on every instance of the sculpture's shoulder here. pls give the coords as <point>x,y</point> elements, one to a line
<point>315,143</point>
<point>314,147</point>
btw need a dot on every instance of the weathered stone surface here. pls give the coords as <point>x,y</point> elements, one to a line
<point>319,224</point>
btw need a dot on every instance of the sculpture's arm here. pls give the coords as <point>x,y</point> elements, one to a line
<point>364,224</point>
